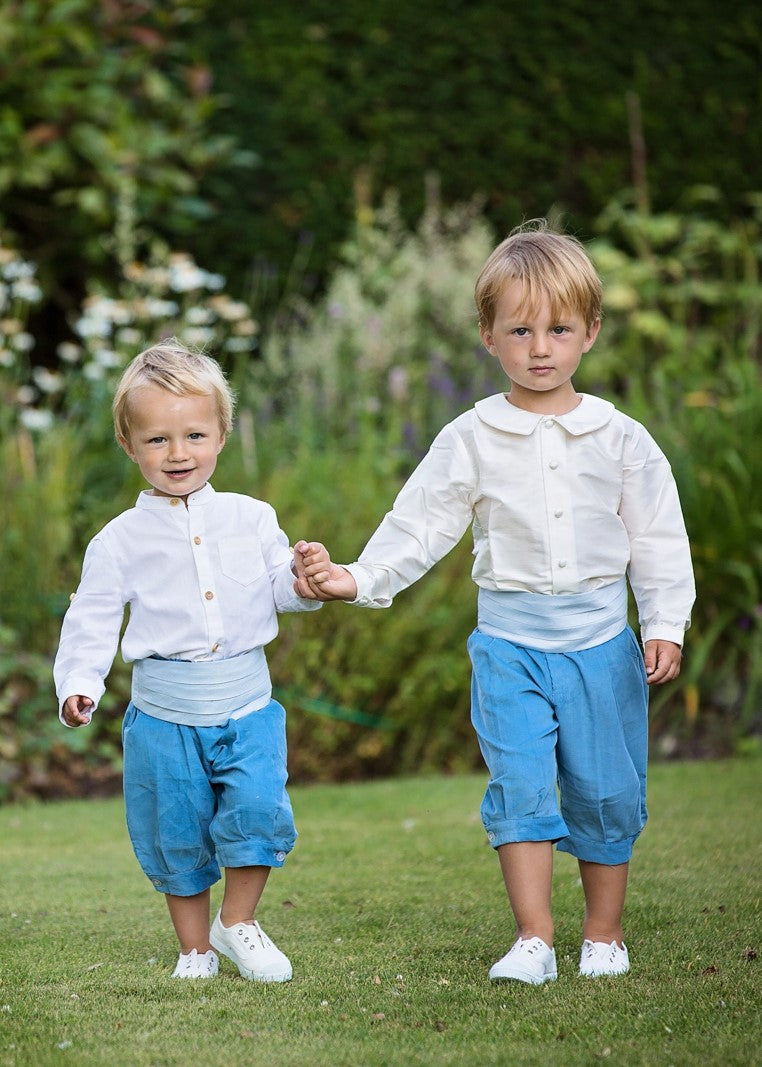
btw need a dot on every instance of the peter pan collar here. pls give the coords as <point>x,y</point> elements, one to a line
<point>148,502</point>
<point>591,413</point>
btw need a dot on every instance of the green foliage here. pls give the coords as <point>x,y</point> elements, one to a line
<point>391,350</point>
<point>334,412</point>
<point>533,105</point>
<point>392,910</point>
<point>104,109</point>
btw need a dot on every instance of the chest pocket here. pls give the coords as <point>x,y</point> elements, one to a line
<point>241,559</point>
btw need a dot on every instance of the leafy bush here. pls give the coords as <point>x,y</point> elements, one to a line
<point>334,411</point>
<point>104,115</point>
<point>341,101</point>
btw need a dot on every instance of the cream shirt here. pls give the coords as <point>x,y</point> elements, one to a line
<point>557,504</point>
<point>202,583</point>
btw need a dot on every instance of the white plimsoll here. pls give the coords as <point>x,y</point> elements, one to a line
<point>598,958</point>
<point>527,960</point>
<point>196,964</point>
<point>251,950</point>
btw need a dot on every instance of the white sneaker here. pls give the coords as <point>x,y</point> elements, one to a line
<point>196,965</point>
<point>251,950</point>
<point>527,961</point>
<point>597,959</point>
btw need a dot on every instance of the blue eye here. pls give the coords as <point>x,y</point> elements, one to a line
<point>521,331</point>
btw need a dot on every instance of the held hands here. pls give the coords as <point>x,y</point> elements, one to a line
<point>77,711</point>
<point>316,578</point>
<point>662,659</point>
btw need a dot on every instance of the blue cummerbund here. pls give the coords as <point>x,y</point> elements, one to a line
<point>565,622</point>
<point>202,692</point>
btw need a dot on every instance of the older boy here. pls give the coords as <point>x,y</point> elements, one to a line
<point>567,498</point>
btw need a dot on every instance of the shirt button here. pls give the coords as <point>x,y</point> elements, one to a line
<point>196,540</point>
<point>562,563</point>
<point>553,464</point>
<point>173,502</point>
<point>215,646</point>
<point>209,595</point>
<point>548,423</point>
<point>558,514</point>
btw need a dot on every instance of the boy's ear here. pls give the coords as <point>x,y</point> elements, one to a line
<point>223,438</point>
<point>125,445</point>
<point>487,340</point>
<point>591,335</point>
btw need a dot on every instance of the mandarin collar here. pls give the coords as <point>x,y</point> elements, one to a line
<point>149,502</point>
<point>591,413</point>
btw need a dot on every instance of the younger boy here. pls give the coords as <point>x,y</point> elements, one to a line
<point>567,498</point>
<point>204,574</point>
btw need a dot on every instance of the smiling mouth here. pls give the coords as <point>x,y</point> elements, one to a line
<point>178,474</point>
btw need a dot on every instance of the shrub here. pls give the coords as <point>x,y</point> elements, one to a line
<point>335,409</point>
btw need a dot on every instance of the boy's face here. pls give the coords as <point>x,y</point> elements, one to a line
<point>538,352</point>
<point>175,440</point>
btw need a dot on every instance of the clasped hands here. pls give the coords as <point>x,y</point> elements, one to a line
<point>317,578</point>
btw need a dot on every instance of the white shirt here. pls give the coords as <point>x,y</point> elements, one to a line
<point>202,582</point>
<point>557,503</point>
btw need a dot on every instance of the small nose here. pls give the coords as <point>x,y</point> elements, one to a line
<point>177,449</point>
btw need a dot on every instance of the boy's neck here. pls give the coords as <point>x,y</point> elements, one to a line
<point>544,403</point>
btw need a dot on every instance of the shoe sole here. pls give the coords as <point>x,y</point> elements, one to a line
<point>247,973</point>
<point>603,974</point>
<point>524,976</point>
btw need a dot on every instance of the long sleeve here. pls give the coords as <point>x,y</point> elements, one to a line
<point>429,517</point>
<point>278,558</point>
<point>90,632</point>
<point>660,569</point>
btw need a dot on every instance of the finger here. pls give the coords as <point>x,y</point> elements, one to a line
<point>317,574</point>
<point>302,589</point>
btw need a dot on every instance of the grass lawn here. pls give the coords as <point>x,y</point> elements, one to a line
<point>392,910</point>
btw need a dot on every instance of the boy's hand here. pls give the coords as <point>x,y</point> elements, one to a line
<point>662,659</point>
<point>76,711</point>
<point>319,579</point>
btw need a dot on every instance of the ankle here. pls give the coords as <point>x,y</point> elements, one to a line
<point>202,947</point>
<point>232,918</point>
<point>541,930</point>
<point>603,935</point>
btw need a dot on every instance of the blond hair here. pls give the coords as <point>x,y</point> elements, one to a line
<point>547,264</point>
<point>179,370</point>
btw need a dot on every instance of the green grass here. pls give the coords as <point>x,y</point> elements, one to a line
<point>392,910</point>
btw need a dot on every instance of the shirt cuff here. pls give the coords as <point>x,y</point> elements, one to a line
<point>664,631</point>
<point>364,579</point>
<point>79,687</point>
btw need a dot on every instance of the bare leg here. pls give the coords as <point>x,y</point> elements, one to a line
<point>190,918</point>
<point>243,888</point>
<point>527,868</point>
<point>605,889</point>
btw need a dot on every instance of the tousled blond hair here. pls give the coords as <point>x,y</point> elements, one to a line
<point>176,368</point>
<point>547,264</point>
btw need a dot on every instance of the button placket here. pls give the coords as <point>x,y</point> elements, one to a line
<point>206,579</point>
<point>558,507</point>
